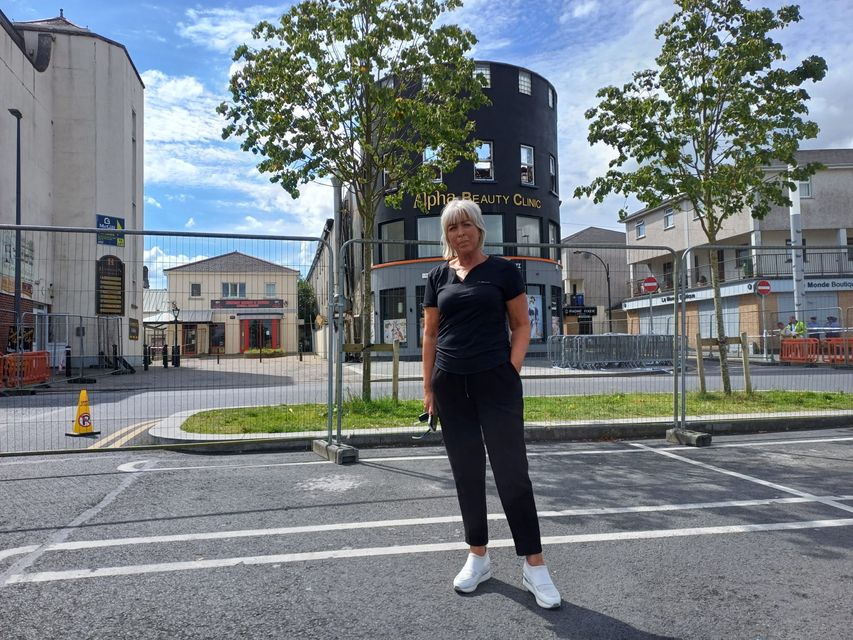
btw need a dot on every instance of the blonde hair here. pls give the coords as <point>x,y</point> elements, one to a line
<point>456,211</point>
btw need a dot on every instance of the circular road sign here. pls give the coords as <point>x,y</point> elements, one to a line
<point>650,285</point>
<point>762,287</point>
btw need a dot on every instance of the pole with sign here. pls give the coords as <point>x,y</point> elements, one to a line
<point>650,285</point>
<point>762,289</point>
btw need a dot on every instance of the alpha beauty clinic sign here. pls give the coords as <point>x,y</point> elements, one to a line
<point>429,201</point>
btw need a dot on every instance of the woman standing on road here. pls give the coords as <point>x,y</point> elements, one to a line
<point>471,380</point>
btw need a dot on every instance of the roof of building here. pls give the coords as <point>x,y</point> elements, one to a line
<point>59,24</point>
<point>155,301</point>
<point>234,262</point>
<point>596,234</point>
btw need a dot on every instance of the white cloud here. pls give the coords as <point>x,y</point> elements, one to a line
<point>189,224</point>
<point>223,30</point>
<point>153,202</point>
<point>578,10</point>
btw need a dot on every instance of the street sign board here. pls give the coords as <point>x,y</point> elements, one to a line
<point>762,287</point>
<point>110,222</point>
<point>650,285</point>
<point>575,310</point>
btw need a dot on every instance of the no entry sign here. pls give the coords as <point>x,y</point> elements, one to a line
<point>650,285</point>
<point>762,287</point>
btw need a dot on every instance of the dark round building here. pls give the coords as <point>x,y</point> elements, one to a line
<point>515,182</point>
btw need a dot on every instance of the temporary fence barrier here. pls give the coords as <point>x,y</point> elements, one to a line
<point>99,304</point>
<point>611,351</point>
<point>800,350</point>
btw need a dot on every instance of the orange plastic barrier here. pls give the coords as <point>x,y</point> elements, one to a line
<point>800,350</point>
<point>25,369</point>
<point>838,350</point>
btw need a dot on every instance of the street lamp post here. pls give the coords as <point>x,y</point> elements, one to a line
<point>18,115</point>
<point>586,255</point>
<point>176,354</point>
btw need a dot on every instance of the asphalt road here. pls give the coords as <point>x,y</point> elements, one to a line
<point>749,538</point>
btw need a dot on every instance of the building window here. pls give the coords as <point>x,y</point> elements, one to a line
<point>484,168</point>
<point>641,229</point>
<point>527,232</point>
<point>195,290</point>
<point>551,97</point>
<point>527,176</point>
<point>392,309</point>
<point>485,72</point>
<point>233,289</point>
<point>667,275</point>
<point>805,188</point>
<point>554,238</point>
<point>269,290</point>
<point>431,158</point>
<point>392,231</point>
<point>429,228</point>
<point>552,172</point>
<point>217,337</point>
<point>494,232</point>
<point>669,218</point>
<point>387,181</point>
<point>525,84</point>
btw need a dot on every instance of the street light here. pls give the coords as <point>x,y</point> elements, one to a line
<point>18,115</point>
<point>176,355</point>
<point>586,255</point>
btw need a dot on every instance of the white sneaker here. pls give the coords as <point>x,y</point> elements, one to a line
<point>538,581</point>
<point>477,569</point>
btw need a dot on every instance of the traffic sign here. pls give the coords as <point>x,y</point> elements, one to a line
<point>650,285</point>
<point>762,287</point>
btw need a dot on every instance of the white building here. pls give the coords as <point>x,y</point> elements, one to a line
<point>826,201</point>
<point>80,101</point>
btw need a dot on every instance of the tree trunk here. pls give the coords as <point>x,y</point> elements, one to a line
<point>723,346</point>
<point>366,316</point>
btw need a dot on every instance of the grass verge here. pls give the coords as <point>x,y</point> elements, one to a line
<point>386,413</point>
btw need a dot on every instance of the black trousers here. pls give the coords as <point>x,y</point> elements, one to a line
<point>488,407</point>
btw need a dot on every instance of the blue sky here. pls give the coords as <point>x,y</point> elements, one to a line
<point>196,181</point>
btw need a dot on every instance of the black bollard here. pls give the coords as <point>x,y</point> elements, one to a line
<point>165,357</point>
<point>145,355</point>
<point>115,357</point>
<point>67,361</point>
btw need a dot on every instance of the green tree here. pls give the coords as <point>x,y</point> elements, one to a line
<point>706,123</point>
<point>359,90</point>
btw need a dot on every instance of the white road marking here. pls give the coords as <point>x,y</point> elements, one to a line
<point>76,574</point>
<point>407,522</point>
<point>129,467</point>
<point>742,476</point>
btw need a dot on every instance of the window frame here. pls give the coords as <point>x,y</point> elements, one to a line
<point>484,69</point>
<point>428,158</point>
<point>531,167</point>
<point>525,80</point>
<point>552,174</point>
<point>267,293</point>
<point>669,213</point>
<point>193,286</point>
<point>805,186</point>
<point>640,229</point>
<point>385,249</point>
<point>239,289</point>
<point>533,252</point>
<point>490,160</point>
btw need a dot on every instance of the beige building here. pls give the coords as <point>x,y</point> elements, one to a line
<point>78,100</point>
<point>826,202</point>
<point>594,282</point>
<point>230,304</point>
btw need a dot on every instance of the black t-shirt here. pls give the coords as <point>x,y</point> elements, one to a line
<point>472,326</point>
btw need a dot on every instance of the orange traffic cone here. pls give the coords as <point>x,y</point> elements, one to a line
<point>83,423</point>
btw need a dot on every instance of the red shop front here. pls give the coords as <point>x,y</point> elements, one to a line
<point>260,333</point>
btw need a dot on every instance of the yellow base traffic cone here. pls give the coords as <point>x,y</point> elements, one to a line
<point>83,423</point>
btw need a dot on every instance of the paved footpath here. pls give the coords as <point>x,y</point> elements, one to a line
<point>749,538</point>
